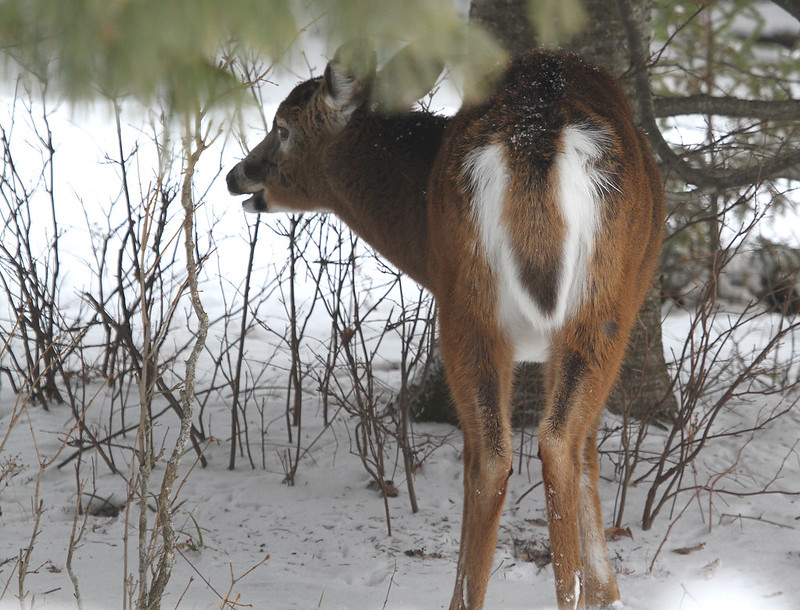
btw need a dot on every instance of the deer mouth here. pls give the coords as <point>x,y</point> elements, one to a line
<point>239,184</point>
<point>255,203</point>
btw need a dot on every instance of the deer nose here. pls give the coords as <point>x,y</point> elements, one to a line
<point>233,183</point>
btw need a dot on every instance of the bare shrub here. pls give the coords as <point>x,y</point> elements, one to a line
<point>30,266</point>
<point>734,356</point>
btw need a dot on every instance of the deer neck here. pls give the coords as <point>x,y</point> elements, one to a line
<point>378,172</point>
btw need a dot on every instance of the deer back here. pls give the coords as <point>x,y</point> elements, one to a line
<point>552,188</point>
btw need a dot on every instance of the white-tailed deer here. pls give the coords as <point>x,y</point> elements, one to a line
<point>535,219</point>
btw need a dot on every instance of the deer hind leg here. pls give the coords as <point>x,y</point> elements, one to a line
<point>560,447</point>
<point>600,585</point>
<point>578,385</point>
<point>479,370</point>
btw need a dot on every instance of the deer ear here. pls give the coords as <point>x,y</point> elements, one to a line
<point>348,78</point>
<point>408,76</point>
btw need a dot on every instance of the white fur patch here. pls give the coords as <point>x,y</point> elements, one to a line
<point>525,325</point>
<point>577,589</point>
<point>580,187</point>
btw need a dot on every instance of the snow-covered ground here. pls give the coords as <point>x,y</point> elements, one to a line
<point>323,543</point>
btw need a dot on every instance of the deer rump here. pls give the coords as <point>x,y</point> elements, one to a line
<point>535,218</point>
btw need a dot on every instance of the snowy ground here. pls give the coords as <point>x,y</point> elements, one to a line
<point>323,542</point>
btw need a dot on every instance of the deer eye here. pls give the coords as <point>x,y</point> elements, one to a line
<point>283,133</point>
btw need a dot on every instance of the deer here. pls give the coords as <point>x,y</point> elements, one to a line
<point>534,216</point>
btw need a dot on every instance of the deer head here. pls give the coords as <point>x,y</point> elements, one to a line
<point>291,168</point>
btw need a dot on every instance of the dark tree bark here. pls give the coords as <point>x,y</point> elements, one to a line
<point>766,110</point>
<point>790,6</point>
<point>644,388</point>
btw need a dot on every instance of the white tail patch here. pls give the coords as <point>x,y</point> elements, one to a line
<point>581,186</point>
<point>580,189</point>
<point>526,326</point>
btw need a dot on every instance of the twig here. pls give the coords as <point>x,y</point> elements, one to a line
<point>759,519</point>
<point>389,588</point>
<point>74,539</point>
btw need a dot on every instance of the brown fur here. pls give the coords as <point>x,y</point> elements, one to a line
<point>399,181</point>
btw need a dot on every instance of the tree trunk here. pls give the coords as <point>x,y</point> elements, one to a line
<point>644,387</point>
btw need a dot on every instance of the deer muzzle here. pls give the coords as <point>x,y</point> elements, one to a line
<point>239,184</point>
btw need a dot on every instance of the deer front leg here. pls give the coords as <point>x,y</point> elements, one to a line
<point>479,367</point>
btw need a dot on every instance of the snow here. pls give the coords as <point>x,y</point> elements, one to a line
<point>323,542</point>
